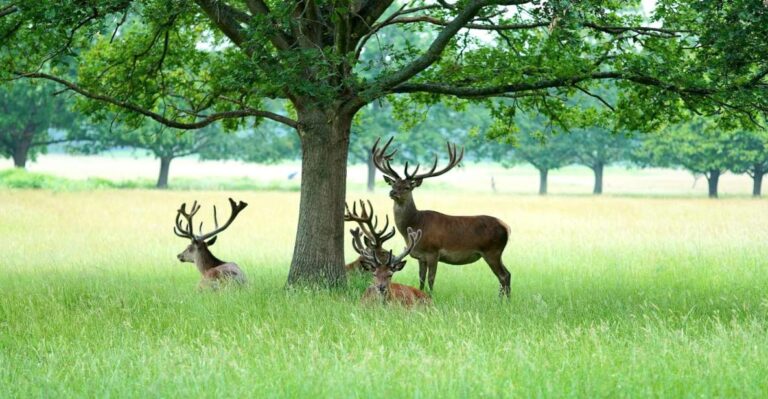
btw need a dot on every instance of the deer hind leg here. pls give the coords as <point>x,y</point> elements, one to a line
<point>497,266</point>
<point>431,271</point>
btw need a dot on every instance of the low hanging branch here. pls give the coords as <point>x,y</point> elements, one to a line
<point>207,120</point>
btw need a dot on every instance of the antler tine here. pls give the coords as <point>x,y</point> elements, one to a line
<point>236,209</point>
<point>413,238</point>
<point>362,220</point>
<point>179,229</point>
<point>368,223</point>
<point>357,243</point>
<point>382,160</point>
<point>453,160</point>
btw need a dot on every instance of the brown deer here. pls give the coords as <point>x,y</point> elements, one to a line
<point>455,240</point>
<point>369,225</point>
<point>214,271</point>
<point>383,268</point>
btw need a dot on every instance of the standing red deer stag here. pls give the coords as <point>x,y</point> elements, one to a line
<point>214,271</point>
<point>455,240</point>
<point>369,225</point>
<point>383,267</point>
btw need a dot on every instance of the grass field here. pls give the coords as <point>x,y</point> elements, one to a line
<point>611,297</point>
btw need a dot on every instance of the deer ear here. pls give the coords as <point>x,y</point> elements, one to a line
<point>416,182</point>
<point>211,241</point>
<point>398,266</point>
<point>389,181</point>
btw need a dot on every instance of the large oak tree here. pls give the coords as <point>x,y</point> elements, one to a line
<point>217,59</point>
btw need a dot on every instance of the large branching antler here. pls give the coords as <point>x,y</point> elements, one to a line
<point>454,157</point>
<point>188,231</point>
<point>371,256</point>
<point>369,223</point>
<point>236,209</point>
<point>179,229</point>
<point>413,239</point>
<point>382,159</point>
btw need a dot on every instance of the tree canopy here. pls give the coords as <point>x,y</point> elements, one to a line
<point>188,64</point>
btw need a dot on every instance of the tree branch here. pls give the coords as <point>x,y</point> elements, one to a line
<point>227,19</point>
<point>279,39</point>
<point>490,91</point>
<point>643,30</point>
<point>436,21</point>
<point>8,10</point>
<point>207,120</point>
<point>434,51</point>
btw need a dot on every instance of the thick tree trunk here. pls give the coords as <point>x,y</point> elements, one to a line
<point>543,181</point>
<point>757,182</point>
<point>371,173</point>
<point>713,178</point>
<point>318,254</point>
<point>165,167</point>
<point>21,147</point>
<point>20,158</point>
<point>598,169</point>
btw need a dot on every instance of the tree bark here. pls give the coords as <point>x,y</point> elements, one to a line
<point>543,181</point>
<point>371,173</point>
<point>165,167</point>
<point>713,178</point>
<point>757,182</point>
<point>598,170</point>
<point>318,254</point>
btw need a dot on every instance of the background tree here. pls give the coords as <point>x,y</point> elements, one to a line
<point>218,59</point>
<point>750,148</point>
<point>28,114</point>
<point>597,148</point>
<point>167,144</point>
<point>535,143</point>
<point>700,147</point>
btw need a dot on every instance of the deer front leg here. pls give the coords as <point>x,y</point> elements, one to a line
<point>422,273</point>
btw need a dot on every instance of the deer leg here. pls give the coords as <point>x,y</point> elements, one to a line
<point>422,273</point>
<point>432,271</point>
<point>493,259</point>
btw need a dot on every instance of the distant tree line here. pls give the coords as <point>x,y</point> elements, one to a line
<point>700,146</point>
<point>33,118</point>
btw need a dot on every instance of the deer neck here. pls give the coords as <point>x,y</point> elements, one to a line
<point>206,261</point>
<point>405,214</point>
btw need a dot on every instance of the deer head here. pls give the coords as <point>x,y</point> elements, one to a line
<point>385,265</point>
<point>402,186</point>
<point>200,242</point>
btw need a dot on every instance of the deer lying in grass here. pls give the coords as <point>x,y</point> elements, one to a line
<point>456,240</point>
<point>383,268</point>
<point>214,270</point>
<point>369,225</point>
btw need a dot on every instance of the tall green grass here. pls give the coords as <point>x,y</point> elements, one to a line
<point>611,297</point>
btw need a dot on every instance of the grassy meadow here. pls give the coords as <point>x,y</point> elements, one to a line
<point>611,297</point>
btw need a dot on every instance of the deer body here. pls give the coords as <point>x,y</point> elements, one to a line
<point>397,293</point>
<point>481,234</point>
<point>456,240</point>
<point>213,270</point>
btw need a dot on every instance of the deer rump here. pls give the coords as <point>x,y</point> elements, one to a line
<point>477,235</point>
